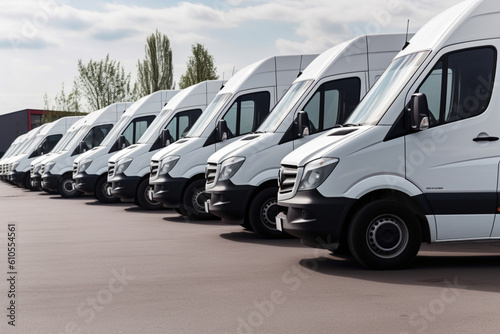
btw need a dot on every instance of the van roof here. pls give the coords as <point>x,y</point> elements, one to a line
<point>461,23</point>
<point>185,97</point>
<point>157,99</point>
<point>256,74</point>
<point>351,55</point>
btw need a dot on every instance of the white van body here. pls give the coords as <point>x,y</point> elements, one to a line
<point>11,151</point>
<point>36,164</point>
<point>26,139</point>
<point>177,171</point>
<point>90,169</point>
<point>56,172</point>
<point>327,92</point>
<point>131,184</point>
<point>43,142</point>
<point>421,162</point>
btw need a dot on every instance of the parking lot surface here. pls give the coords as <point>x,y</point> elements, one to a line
<point>85,267</point>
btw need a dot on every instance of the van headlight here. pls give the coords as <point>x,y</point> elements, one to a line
<point>84,164</point>
<point>167,164</point>
<point>36,169</point>
<point>316,172</point>
<point>122,165</point>
<point>13,166</point>
<point>229,167</point>
<point>48,166</point>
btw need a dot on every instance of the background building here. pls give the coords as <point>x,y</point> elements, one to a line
<point>19,122</point>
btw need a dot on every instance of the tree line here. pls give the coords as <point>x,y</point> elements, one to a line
<point>103,82</point>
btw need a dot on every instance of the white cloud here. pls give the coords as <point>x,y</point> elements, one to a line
<point>54,34</point>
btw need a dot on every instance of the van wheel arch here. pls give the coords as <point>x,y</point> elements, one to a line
<point>246,221</point>
<point>193,212</point>
<point>145,202</point>
<point>389,194</point>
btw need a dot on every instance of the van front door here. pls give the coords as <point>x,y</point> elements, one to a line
<point>455,162</point>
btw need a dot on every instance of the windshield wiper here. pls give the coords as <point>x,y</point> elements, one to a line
<point>351,125</point>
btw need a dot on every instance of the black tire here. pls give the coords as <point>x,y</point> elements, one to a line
<point>66,187</point>
<point>180,210</point>
<point>27,183</point>
<point>262,214</point>
<point>101,191</point>
<point>194,200</point>
<point>143,199</point>
<point>384,234</point>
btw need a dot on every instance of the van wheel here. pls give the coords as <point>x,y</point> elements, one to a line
<point>27,182</point>
<point>384,234</point>
<point>67,188</point>
<point>262,214</point>
<point>102,188</point>
<point>194,200</point>
<point>143,198</point>
<point>180,210</point>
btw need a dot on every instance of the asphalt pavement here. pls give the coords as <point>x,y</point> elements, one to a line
<point>79,266</point>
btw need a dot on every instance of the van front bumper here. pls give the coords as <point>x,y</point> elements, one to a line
<point>168,191</point>
<point>315,219</point>
<point>36,181</point>
<point>50,182</point>
<point>85,183</point>
<point>17,178</point>
<point>229,201</point>
<point>124,187</point>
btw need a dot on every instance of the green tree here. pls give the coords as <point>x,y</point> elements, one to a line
<point>65,105</point>
<point>200,67</point>
<point>156,71</point>
<point>103,82</point>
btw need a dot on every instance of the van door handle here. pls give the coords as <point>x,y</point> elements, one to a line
<point>485,139</point>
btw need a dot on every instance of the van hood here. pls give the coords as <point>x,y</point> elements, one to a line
<point>323,145</point>
<point>180,147</point>
<point>130,151</point>
<point>93,153</point>
<point>42,158</point>
<point>246,146</point>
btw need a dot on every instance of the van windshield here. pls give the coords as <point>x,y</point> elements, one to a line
<point>76,138</point>
<point>154,128</point>
<point>208,115</point>
<point>378,100</point>
<point>115,131</point>
<point>279,113</point>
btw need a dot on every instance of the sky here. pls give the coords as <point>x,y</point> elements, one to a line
<point>41,41</point>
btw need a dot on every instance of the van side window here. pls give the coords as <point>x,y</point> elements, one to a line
<point>460,84</point>
<point>47,145</point>
<point>96,135</point>
<point>178,126</point>
<point>332,103</point>
<point>136,128</point>
<point>182,122</point>
<point>246,113</point>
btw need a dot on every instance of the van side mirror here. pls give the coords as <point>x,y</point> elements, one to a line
<point>122,142</point>
<point>82,147</point>
<point>221,130</point>
<point>165,138</point>
<point>419,112</point>
<point>302,122</point>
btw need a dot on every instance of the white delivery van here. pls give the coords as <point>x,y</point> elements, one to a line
<point>420,158</point>
<point>56,171</point>
<point>26,139</point>
<point>11,151</point>
<point>177,171</point>
<point>128,169</point>
<point>90,170</point>
<point>241,178</point>
<point>43,142</point>
<point>36,164</point>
